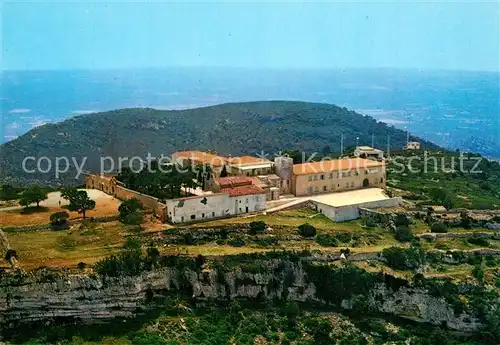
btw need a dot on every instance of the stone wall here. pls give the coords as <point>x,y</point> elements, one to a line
<point>48,226</point>
<point>147,201</point>
<point>111,186</point>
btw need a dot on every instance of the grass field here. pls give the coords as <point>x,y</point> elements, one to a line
<point>89,242</point>
<point>287,218</point>
<point>35,216</point>
<point>67,248</point>
<point>105,206</point>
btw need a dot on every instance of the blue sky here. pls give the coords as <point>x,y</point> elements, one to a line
<point>423,35</point>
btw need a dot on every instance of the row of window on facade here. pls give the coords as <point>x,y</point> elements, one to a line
<point>203,216</point>
<point>365,183</point>
<point>333,175</point>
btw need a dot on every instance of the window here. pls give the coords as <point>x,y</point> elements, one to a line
<point>203,215</point>
<point>193,216</point>
<point>246,201</point>
<point>213,214</point>
<point>324,189</point>
<point>382,180</point>
<point>322,177</point>
<point>315,177</point>
<point>182,218</point>
<point>309,178</point>
<point>239,201</point>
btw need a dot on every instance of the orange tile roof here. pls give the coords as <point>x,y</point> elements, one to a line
<point>247,160</point>
<point>229,181</point>
<point>200,157</point>
<point>334,165</point>
<point>242,190</point>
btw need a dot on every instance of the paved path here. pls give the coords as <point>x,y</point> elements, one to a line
<point>294,202</point>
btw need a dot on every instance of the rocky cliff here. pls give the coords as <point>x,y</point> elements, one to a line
<point>46,296</point>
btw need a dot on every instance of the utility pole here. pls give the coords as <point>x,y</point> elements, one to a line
<point>341,144</point>
<point>373,140</point>
<point>388,146</point>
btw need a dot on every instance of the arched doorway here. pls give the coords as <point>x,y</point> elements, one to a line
<point>366,183</point>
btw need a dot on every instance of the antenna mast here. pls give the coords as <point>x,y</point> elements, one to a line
<point>388,146</point>
<point>341,144</point>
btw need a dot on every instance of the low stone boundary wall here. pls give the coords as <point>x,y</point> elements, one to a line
<point>39,227</point>
<point>112,187</point>
<point>434,235</point>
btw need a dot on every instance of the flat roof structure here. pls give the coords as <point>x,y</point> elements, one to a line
<point>353,197</point>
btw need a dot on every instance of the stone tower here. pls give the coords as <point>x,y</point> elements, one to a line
<point>284,168</point>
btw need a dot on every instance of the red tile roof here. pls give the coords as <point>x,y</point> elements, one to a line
<point>242,190</point>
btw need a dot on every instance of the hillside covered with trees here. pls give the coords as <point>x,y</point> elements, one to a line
<point>233,128</point>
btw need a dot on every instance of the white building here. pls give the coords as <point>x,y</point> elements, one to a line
<point>368,152</point>
<point>413,145</point>
<point>341,207</point>
<point>231,200</point>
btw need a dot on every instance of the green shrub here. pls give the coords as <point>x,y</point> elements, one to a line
<point>343,236</point>
<point>327,240</point>
<point>401,220</point>
<point>134,218</point>
<point>257,227</point>
<point>369,222</point>
<point>59,217</point>
<point>439,227</point>
<point>11,253</point>
<point>478,273</point>
<point>265,241</point>
<point>59,220</point>
<point>237,242</point>
<point>478,241</point>
<point>132,244</point>
<point>152,254</point>
<point>403,234</point>
<point>307,230</point>
<point>129,207</point>
<point>404,258</point>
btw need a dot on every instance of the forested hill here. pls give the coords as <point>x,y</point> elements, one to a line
<point>233,128</point>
